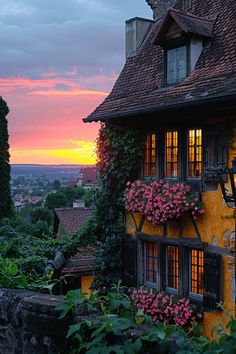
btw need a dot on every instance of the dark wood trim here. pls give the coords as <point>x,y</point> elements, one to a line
<point>141,223</point>
<point>195,225</point>
<point>186,242</point>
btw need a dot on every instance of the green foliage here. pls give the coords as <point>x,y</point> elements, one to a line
<point>82,238</point>
<point>41,214</point>
<point>88,198</point>
<point>55,200</point>
<point>73,299</point>
<point>106,324</point>
<point>119,154</point>
<point>6,207</point>
<point>25,213</point>
<point>223,339</point>
<point>56,185</point>
<point>64,197</point>
<point>11,276</point>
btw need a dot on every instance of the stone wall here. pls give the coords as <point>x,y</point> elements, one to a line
<point>29,323</point>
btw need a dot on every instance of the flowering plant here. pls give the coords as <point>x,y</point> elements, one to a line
<point>161,201</point>
<point>165,308</point>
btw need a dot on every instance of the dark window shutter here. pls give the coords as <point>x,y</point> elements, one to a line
<point>212,279</point>
<point>163,268</point>
<point>130,249</point>
<point>215,151</point>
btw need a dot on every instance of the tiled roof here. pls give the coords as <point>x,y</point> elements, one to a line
<point>89,174</point>
<point>82,262</point>
<point>72,218</point>
<point>139,87</point>
<point>189,23</point>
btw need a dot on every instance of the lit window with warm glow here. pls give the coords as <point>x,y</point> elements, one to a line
<point>196,272</point>
<point>171,154</point>
<point>195,153</point>
<point>172,267</point>
<point>150,252</point>
<point>150,159</point>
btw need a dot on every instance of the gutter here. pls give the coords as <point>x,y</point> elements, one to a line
<point>176,106</point>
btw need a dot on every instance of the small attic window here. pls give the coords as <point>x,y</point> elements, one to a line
<point>176,65</point>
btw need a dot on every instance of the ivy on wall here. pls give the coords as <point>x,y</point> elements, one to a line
<point>120,154</point>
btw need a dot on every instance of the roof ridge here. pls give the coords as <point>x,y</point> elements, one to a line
<point>192,15</point>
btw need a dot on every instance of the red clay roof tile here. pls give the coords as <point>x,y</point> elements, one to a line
<point>72,218</point>
<point>82,262</point>
<point>139,87</point>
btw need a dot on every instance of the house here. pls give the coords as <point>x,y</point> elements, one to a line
<point>67,221</point>
<point>89,175</point>
<point>178,86</point>
<point>80,268</point>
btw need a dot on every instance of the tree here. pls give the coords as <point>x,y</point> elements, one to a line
<point>56,185</point>
<point>55,200</point>
<point>88,198</point>
<point>72,193</point>
<point>6,207</point>
<point>41,214</point>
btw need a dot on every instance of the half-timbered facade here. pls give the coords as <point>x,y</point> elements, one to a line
<point>179,87</point>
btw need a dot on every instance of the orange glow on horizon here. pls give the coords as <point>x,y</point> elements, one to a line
<point>82,154</point>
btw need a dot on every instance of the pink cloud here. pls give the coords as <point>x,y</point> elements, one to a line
<point>46,115</point>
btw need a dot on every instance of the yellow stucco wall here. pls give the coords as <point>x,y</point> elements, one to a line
<point>216,227</point>
<point>86,281</point>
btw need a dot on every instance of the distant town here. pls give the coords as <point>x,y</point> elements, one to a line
<point>30,184</point>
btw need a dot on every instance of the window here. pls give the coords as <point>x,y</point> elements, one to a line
<point>171,164</point>
<point>176,65</point>
<point>175,154</point>
<point>150,160</point>
<point>196,272</point>
<point>168,271</point>
<point>194,153</point>
<point>172,274</point>
<point>150,262</point>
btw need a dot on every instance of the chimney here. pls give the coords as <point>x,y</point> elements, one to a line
<point>159,7</point>
<point>78,204</point>
<point>136,30</point>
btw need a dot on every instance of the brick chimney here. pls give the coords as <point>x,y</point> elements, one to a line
<point>159,7</point>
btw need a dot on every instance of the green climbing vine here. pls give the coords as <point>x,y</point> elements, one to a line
<point>119,156</point>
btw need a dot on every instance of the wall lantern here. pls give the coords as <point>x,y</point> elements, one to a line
<point>229,189</point>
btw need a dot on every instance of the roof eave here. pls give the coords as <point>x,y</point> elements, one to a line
<point>165,108</point>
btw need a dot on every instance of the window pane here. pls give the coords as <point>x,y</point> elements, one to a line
<point>150,156</point>
<point>197,270</point>
<point>194,153</point>
<point>176,65</point>
<point>171,169</point>
<point>173,267</point>
<point>150,251</point>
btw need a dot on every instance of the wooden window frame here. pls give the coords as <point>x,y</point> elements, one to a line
<point>184,269</point>
<point>151,164</point>
<point>196,183</point>
<point>165,154</point>
<point>195,177</point>
<point>147,282</point>
<point>196,295</point>
<point>174,44</point>
<point>168,287</point>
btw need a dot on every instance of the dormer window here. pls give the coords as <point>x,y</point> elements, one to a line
<point>176,65</point>
<point>182,36</point>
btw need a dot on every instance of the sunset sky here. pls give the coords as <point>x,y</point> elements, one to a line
<point>59,60</point>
